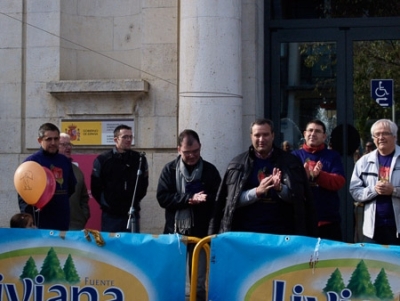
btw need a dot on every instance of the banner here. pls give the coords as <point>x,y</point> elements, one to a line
<point>44,265</point>
<point>246,266</point>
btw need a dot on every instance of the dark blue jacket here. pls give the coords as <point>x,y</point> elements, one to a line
<point>56,213</point>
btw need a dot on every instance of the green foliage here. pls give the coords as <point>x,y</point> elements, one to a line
<point>51,268</point>
<point>29,271</point>
<point>360,282</point>
<point>373,60</point>
<point>70,272</point>
<point>335,282</point>
<point>382,286</point>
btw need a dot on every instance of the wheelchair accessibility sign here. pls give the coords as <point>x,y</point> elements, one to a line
<point>382,92</point>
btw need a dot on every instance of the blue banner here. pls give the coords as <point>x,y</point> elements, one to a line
<point>246,266</point>
<point>42,265</point>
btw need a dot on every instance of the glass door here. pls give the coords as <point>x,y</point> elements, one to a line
<point>326,73</point>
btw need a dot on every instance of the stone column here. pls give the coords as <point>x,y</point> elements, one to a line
<point>210,86</point>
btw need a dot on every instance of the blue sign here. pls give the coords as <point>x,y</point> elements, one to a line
<point>382,92</point>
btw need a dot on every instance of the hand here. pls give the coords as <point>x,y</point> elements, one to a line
<point>265,184</point>
<point>307,169</point>
<point>276,179</point>
<point>198,198</point>
<point>317,169</point>
<point>384,188</point>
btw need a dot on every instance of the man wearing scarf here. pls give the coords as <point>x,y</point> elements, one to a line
<point>186,190</point>
<point>325,172</point>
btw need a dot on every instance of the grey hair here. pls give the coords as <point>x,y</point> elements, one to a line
<point>386,123</point>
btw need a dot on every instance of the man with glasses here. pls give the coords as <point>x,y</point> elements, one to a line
<point>118,176</point>
<point>56,213</point>
<point>79,201</point>
<point>376,184</point>
<point>186,190</point>
<point>325,172</point>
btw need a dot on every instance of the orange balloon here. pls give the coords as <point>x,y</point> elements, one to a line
<point>30,181</point>
<point>49,189</point>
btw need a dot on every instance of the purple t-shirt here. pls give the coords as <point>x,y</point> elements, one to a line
<point>384,207</point>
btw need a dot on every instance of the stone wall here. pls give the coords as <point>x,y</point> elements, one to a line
<point>63,60</point>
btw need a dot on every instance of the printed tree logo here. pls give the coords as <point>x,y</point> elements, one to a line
<point>70,272</point>
<point>335,283</point>
<point>30,271</point>
<point>360,282</point>
<point>382,286</point>
<point>51,268</point>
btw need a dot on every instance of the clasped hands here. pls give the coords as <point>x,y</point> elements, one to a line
<point>384,188</point>
<point>198,198</point>
<point>271,181</point>
<point>313,172</point>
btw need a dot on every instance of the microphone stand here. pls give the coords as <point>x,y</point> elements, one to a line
<point>132,222</point>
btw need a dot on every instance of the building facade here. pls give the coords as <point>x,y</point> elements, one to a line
<point>209,65</point>
<point>168,65</point>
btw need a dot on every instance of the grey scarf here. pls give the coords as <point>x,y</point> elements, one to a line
<point>184,217</point>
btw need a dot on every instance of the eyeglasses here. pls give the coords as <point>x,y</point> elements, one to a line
<point>193,152</point>
<point>382,134</point>
<point>126,137</point>
<point>316,131</point>
<point>49,139</point>
<point>66,144</point>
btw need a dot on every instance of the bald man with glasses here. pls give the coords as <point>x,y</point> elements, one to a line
<point>79,201</point>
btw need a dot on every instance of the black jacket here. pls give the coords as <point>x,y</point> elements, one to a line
<point>113,181</point>
<point>293,175</point>
<point>171,200</point>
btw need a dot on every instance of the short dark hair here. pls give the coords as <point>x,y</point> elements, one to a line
<point>20,220</point>
<point>319,122</point>
<point>47,127</point>
<point>191,136</point>
<point>121,127</point>
<point>262,121</point>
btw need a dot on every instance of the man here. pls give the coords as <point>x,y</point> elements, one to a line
<point>186,190</point>
<point>376,184</point>
<point>117,176</point>
<point>79,201</point>
<point>56,213</point>
<point>264,190</point>
<point>325,172</point>
<point>286,146</point>
<point>369,147</point>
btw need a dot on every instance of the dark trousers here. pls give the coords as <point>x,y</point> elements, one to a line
<point>119,223</point>
<point>385,235</point>
<point>332,231</point>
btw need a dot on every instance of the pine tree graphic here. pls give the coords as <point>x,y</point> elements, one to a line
<point>360,282</point>
<point>335,282</point>
<point>382,286</point>
<point>51,268</point>
<point>30,271</point>
<point>70,272</point>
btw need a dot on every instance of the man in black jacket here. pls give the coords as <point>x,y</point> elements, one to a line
<point>264,190</point>
<point>113,183</point>
<point>186,190</point>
